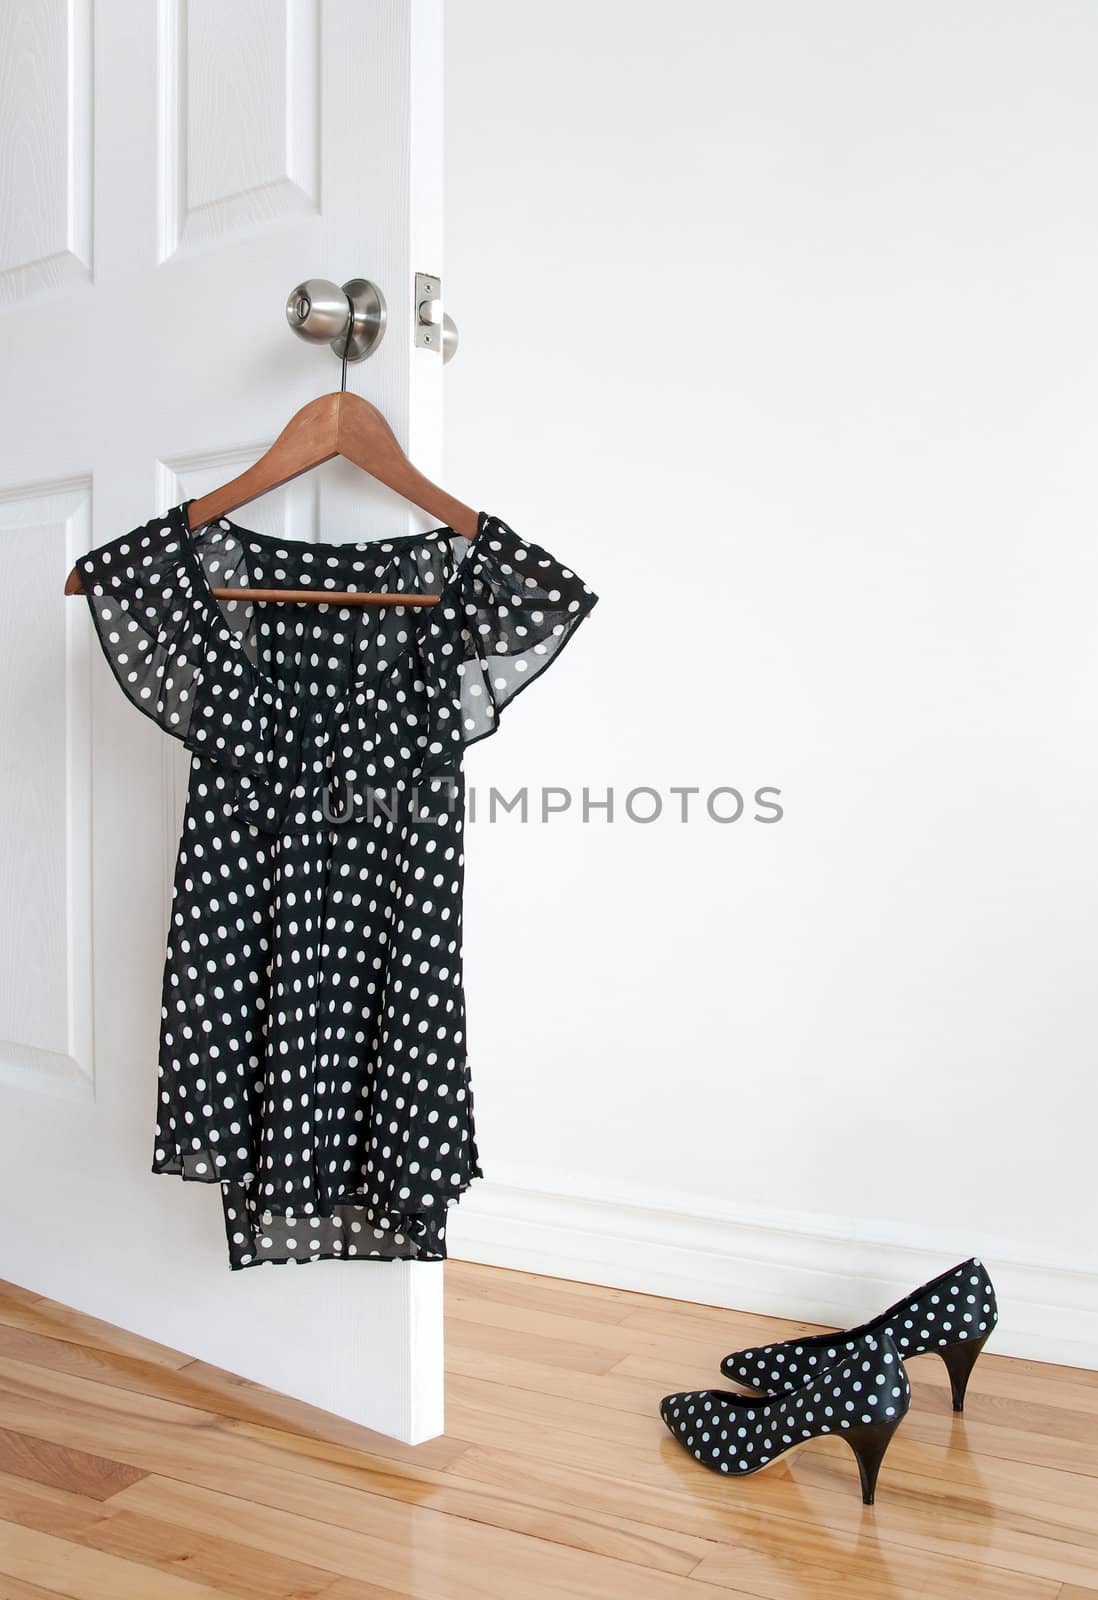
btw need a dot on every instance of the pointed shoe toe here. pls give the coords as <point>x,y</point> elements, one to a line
<point>863,1398</point>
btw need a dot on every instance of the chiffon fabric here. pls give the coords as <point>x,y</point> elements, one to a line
<point>312,1051</point>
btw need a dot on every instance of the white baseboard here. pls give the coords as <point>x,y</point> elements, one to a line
<point>809,1269</point>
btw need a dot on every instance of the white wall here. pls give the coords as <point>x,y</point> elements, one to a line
<point>780,321</point>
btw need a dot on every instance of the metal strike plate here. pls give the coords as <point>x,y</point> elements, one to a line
<point>435,329</point>
<point>428,312</point>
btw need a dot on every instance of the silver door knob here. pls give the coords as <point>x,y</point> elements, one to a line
<point>323,313</point>
<point>450,339</point>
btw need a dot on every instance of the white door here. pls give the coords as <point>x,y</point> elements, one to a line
<point>168,173</point>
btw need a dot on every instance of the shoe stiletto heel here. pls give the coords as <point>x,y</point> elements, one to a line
<point>862,1398</point>
<point>959,1361</point>
<point>869,1444</point>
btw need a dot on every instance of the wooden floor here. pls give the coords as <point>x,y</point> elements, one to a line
<point>128,1472</point>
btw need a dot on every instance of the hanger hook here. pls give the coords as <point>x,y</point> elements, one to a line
<point>347,344</point>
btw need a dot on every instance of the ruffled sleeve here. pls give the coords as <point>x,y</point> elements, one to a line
<point>504,615</point>
<point>175,657</point>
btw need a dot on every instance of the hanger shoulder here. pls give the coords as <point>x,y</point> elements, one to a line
<point>337,424</point>
<point>366,439</point>
<point>309,438</point>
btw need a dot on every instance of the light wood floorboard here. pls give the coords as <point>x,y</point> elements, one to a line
<point>128,1471</point>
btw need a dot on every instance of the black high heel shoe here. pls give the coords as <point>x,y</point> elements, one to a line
<point>952,1316</point>
<point>863,1398</point>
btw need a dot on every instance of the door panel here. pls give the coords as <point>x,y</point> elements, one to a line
<point>46,131</point>
<point>45,800</point>
<point>153,219</point>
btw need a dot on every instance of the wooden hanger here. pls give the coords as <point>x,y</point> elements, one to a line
<point>339,424</point>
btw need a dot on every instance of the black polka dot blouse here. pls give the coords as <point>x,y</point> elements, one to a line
<point>312,1050</point>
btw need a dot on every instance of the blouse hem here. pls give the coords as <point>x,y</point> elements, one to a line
<point>408,1250</point>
